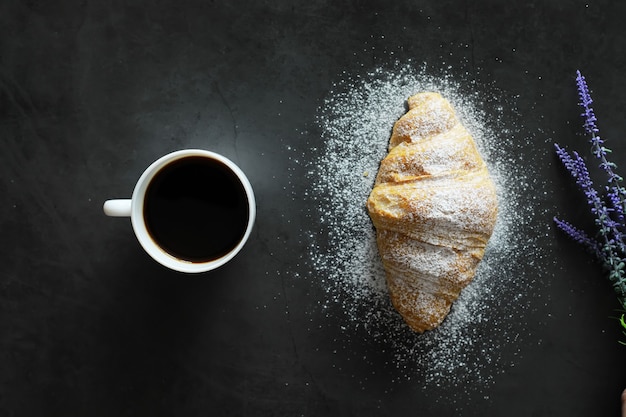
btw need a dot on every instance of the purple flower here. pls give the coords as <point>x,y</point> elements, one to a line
<point>597,144</point>
<point>580,237</point>
<point>578,170</point>
<point>585,102</point>
<point>615,196</point>
<point>609,210</point>
<point>566,159</point>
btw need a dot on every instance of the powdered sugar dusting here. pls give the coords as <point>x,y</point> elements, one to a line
<point>424,119</point>
<point>356,121</point>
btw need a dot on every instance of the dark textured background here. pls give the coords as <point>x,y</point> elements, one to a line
<point>91,92</point>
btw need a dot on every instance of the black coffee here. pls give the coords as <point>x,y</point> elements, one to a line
<point>196,209</point>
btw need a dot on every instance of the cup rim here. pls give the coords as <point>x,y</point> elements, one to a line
<point>141,231</point>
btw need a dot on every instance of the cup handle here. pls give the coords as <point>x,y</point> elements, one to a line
<point>117,208</point>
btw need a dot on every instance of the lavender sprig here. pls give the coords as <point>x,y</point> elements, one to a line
<point>616,192</point>
<point>579,236</point>
<point>608,246</point>
<point>605,249</point>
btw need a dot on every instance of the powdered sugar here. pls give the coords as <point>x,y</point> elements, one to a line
<point>355,122</point>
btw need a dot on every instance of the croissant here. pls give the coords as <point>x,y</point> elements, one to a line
<point>434,207</point>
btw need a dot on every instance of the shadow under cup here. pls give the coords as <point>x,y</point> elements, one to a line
<point>193,210</point>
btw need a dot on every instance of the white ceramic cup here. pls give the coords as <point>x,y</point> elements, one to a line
<point>134,208</point>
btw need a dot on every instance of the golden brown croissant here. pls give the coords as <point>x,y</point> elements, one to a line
<point>434,207</point>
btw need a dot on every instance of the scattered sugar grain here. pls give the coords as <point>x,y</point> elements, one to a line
<point>355,122</point>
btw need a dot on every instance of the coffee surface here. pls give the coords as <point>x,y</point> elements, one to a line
<point>196,209</point>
